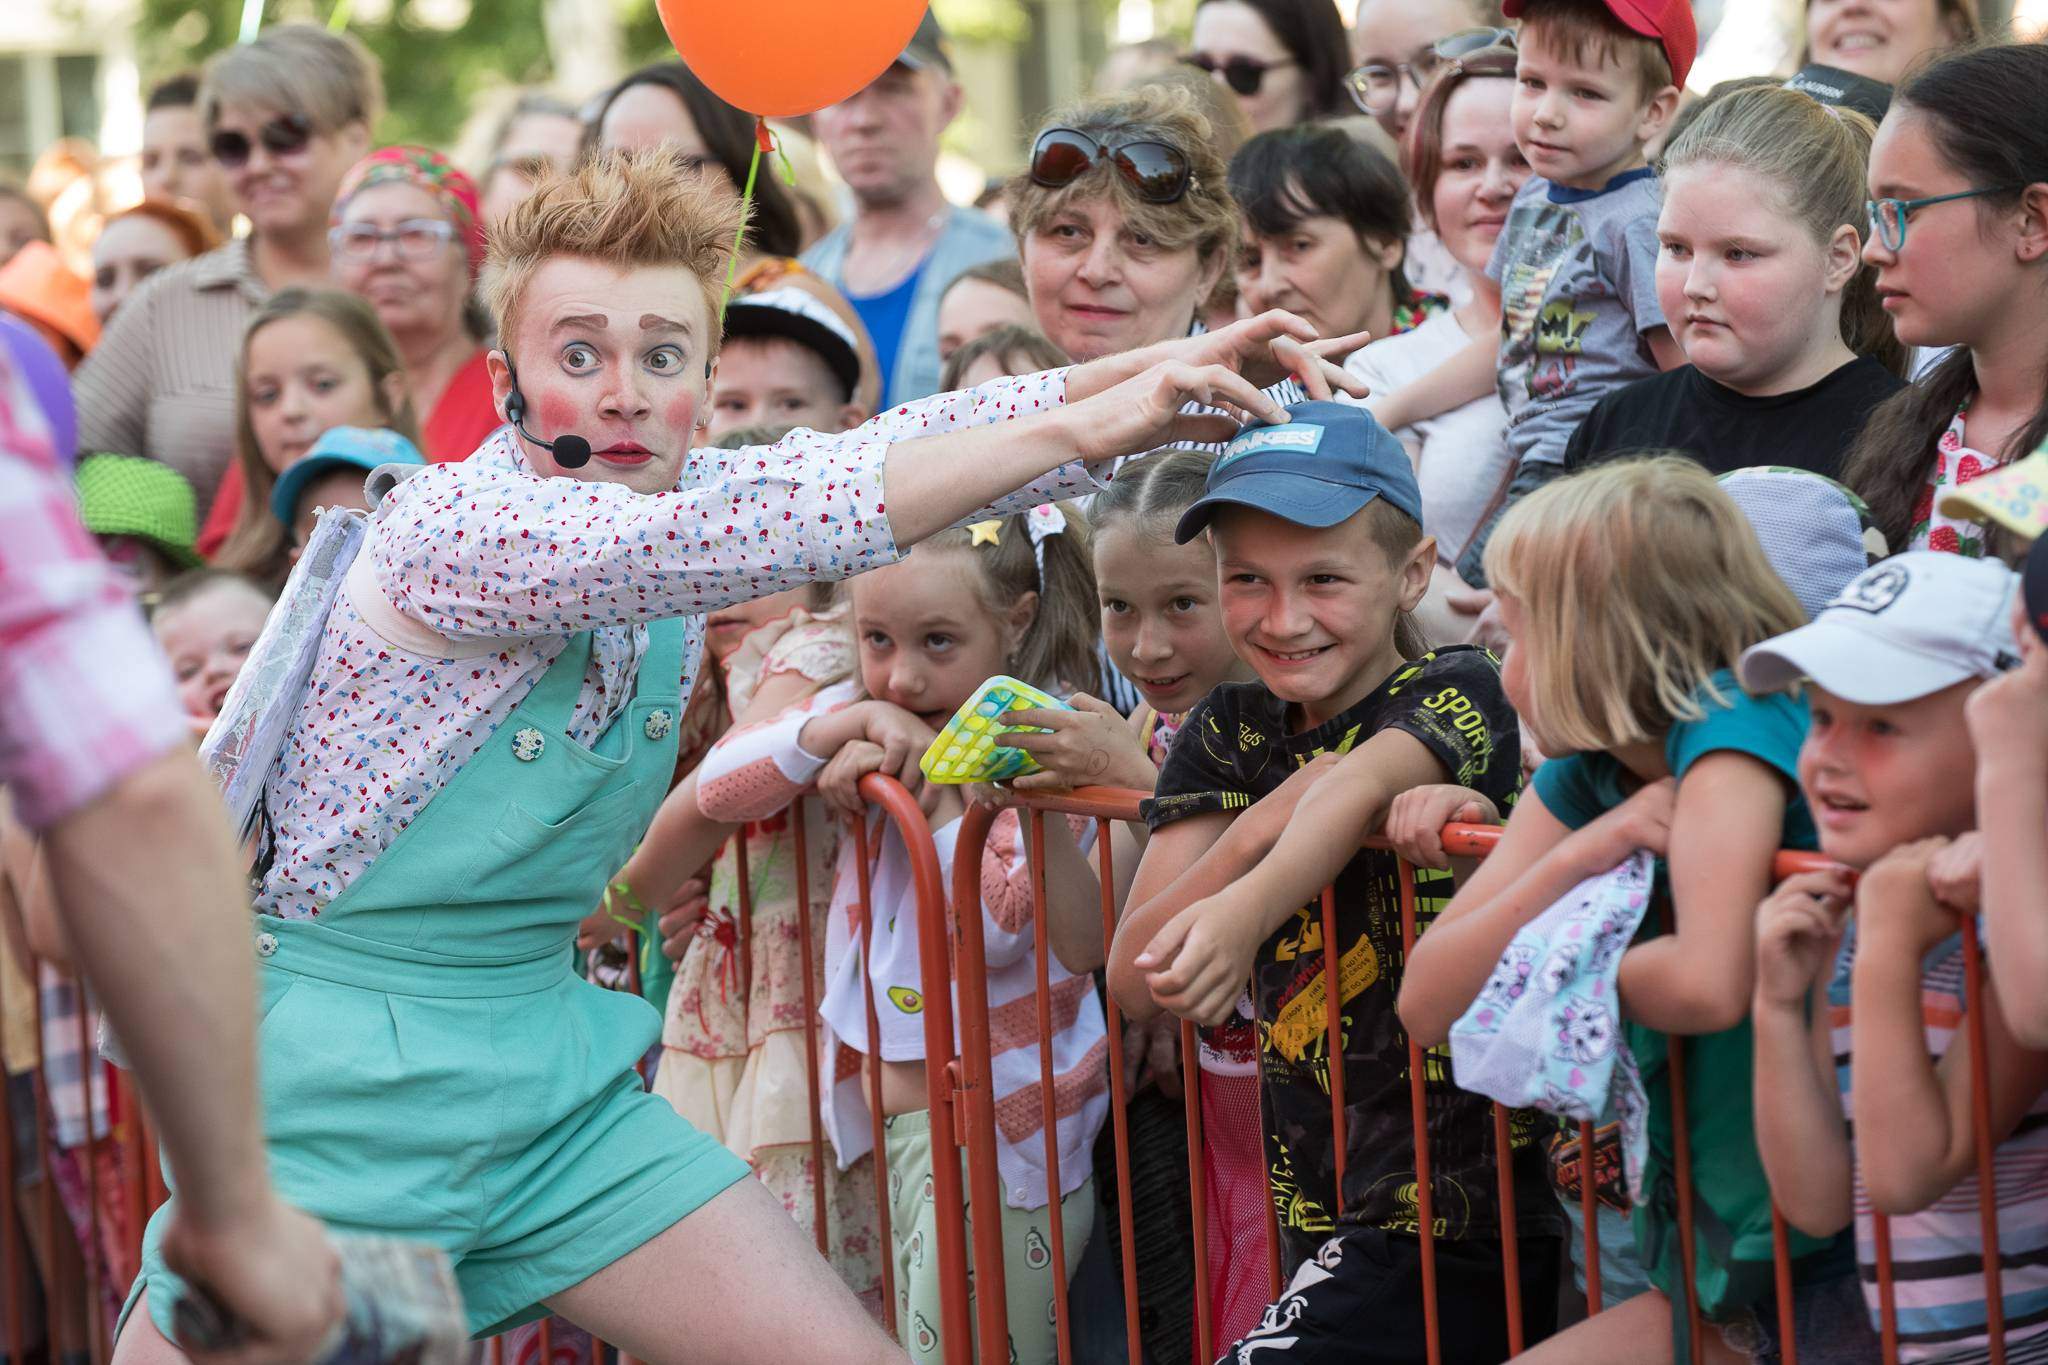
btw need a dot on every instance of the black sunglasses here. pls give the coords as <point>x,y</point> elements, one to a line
<point>1242,74</point>
<point>282,136</point>
<point>1158,172</point>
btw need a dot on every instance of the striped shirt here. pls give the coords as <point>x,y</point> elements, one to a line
<point>1937,1253</point>
<point>161,382</point>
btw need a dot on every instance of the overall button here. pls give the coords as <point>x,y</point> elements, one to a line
<point>659,723</point>
<point>527,744</point>
<point>266,945</point>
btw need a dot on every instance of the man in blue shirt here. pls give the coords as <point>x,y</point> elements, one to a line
<point>904,243</point>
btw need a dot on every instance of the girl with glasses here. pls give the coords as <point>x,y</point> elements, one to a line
<point>1282,59</point>
<point>286,116</point>
<point>1399,44</point>
<point>408,238</point>
<point>1959,236</point>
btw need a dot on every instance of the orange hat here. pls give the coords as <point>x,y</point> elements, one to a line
<point>38,286</point>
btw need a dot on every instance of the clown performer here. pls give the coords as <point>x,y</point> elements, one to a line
<point>490,726</point>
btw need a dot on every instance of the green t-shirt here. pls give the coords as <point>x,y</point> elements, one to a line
<point>1732,1197</point>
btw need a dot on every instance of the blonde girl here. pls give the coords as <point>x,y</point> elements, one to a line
<point>1629,594</point>
<point>965,605</point>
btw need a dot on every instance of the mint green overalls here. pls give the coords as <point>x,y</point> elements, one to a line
<point>431,1065</point>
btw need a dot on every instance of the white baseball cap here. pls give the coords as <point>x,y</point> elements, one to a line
<point>802,317</point>
<point>1906,627</point>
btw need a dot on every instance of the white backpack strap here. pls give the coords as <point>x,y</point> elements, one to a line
<point>397,629</point>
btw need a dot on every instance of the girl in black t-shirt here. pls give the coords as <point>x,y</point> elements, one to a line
<point>1760,277</point>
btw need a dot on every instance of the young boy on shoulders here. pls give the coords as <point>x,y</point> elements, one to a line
<point>1597,81</point>
<point>1321,556</point>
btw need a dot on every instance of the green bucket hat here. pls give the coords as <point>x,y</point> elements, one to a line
<point>126,495</point>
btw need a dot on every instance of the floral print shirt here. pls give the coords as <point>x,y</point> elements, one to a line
<point>508,565</point>
<point>1955,464</point>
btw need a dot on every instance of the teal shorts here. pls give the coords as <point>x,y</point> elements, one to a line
<point>507,1128</point>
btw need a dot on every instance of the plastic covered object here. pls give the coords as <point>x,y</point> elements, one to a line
<point>967,750</point>
<point>248,736</point>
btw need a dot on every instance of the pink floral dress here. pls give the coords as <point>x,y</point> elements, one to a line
<point>732,1056</point>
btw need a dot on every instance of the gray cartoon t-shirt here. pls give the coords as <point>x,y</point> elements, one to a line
<point>1578,288</point>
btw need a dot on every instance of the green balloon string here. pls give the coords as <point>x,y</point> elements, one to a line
<point>763,141</point>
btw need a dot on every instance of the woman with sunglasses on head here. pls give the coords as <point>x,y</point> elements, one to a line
<point>1461,160</point>
<point>1959,236</point>
<point>1283,59</point>
<point>408,238</point>
<point>1123,221</point>
<point>286,116</point>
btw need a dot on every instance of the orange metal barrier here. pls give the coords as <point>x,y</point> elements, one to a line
<point>1106,806</point>
<point>961,1099</point>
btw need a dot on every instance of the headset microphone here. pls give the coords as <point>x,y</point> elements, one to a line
<point>570,451</point>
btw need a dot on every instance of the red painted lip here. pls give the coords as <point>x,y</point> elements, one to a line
<point>626,453</point>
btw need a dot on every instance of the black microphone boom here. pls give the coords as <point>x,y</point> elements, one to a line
<point>570,451</point>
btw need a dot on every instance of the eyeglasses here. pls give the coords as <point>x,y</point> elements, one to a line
<point>417,239</point>
<point>1158,172</point>
<point>282,136</point>
<point>1376,87</point>
<point>1888,216</point>
<point>1242,74</point>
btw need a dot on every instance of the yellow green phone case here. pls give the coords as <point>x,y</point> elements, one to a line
<point>967,749</point>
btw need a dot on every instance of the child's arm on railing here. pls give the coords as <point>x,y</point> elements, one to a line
<point>1415,824</point>
<point>1199,960</point>
<point>1799,1129</point>
<point>1093,746</point>
<point>686,834</point>
<point>2008,719</point>
<point>1538,859</point>
<point>1915,1137</point>
<point>1188,860</point>
<point>1725,831</point>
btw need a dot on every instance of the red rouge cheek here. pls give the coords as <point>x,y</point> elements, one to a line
<point>557,414</point>
<point>681,415</point>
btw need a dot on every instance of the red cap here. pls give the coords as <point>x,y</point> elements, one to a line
<point>1670,22</point>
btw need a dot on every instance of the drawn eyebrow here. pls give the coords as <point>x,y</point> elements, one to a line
<point>655,322</point>
<point>598,321</point>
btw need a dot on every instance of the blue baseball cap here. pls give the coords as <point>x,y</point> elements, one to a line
<point>1318,468</point>
<point>364,448</point>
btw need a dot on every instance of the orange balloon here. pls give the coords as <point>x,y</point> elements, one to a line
<point>782,58</point>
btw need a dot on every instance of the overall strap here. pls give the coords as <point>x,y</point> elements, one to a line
<point>661,668</point>
<point>553,699</point>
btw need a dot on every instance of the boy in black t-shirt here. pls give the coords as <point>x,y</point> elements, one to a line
<point>1321,554</point>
